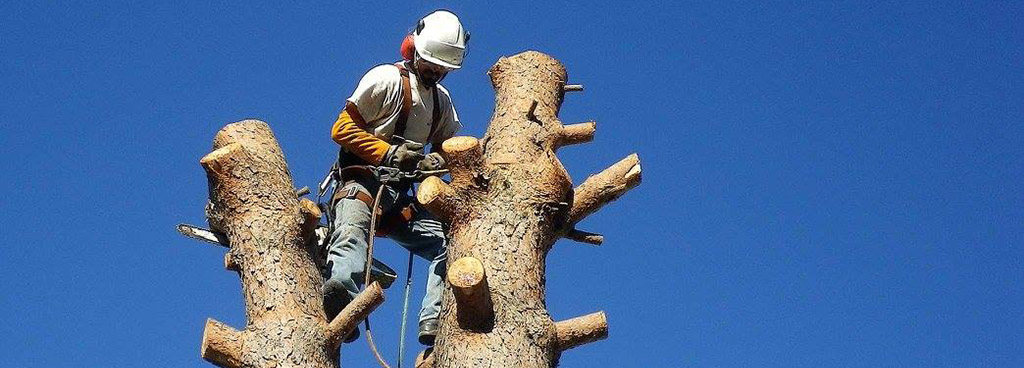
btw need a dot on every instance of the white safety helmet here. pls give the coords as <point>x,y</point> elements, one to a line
<point>440,39</point>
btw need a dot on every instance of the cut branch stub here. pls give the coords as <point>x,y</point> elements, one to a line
<point>604,187</point>
<point>473,299</point>
<point>585,237</point>
<point>221,345</point>
<point>573,88</point>
<point>581,330</point>
<point>310,217</point>
<point>229,262</point>
<point>437,197</point>
<point>464,157</point>
<point>531,110</point>
<point>355,312</point>
<point>577,133</point>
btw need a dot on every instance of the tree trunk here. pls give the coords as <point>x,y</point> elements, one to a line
<point>509,200</point>
<point>253,202</point>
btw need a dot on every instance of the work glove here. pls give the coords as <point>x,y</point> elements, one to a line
<point>432,162</point>
<point>404,156</point>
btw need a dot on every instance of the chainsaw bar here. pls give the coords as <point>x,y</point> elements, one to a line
<point>201,234</point>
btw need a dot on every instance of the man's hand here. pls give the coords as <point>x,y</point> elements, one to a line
<point>432,162</point>
<point>404,157</point>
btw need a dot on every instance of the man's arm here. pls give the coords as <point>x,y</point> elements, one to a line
<point>350,132</point>
<point>376,96</point>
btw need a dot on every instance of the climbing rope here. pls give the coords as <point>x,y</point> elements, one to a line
<point>366,272</point>
<point>405,311</point>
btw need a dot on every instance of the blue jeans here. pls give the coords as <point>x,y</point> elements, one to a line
<point>423,236</point>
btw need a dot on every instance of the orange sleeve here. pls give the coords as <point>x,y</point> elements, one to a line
<point>350,132</point>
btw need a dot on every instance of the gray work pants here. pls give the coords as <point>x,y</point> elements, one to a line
<point>423,236</point>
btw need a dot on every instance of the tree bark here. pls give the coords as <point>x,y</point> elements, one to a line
<point>509,200</point>
<point>253,202</point>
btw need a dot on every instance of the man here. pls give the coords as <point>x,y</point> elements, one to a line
<point>395,110</point>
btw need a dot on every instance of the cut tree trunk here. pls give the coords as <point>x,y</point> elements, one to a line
<point>253,202</point>
<point>509,200</point>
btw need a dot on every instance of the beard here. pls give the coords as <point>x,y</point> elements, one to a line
<point>430,79</point>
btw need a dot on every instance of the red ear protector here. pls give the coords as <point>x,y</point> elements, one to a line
<point>408,48</point>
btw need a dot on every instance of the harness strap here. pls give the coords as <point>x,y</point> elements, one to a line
<point>350,191</point>
<point>435,118</point>
<point>388,221</point>
<point>403,114</point>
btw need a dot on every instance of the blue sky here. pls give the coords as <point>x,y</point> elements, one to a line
<point>825,183</point>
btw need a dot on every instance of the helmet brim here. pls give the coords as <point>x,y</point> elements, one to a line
<point>443,54</point>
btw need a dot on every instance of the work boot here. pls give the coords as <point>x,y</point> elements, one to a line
<point>428,331</point>
<point>335,299</point>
